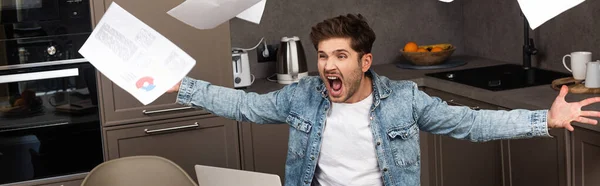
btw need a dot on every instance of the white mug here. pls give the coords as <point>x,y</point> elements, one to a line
<point>592,78</point>
<point>578,63</point>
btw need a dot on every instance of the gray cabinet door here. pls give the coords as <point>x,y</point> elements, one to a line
<point>537,161</point>
<point>211,141</point>
<point>461,162</point>
<point>210,48</point>
<point>586,145</point>
<point>264,147</point>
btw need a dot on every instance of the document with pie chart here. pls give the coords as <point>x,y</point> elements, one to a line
<point>134,56</point>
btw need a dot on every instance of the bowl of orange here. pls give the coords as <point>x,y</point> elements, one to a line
<point>426,55</point>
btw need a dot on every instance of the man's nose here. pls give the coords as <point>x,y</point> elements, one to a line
<point>330,64</point>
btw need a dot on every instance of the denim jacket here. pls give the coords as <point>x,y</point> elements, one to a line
<point>398,112</point>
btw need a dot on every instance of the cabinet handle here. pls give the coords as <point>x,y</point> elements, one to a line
<point>193,126</point>
<point>147,112</point>
<point>460,104</point>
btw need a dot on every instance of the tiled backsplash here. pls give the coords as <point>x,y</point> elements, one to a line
<point>395,22</point>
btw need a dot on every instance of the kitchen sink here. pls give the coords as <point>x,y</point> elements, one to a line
<point>501,77</point>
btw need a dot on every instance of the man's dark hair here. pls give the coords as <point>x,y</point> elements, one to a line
<point>350,26</point>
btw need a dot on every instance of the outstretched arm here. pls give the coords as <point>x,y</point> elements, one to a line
<point>435,116</point>
<point>234,104</point>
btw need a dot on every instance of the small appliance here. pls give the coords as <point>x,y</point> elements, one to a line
<point>291,61</point>
<point>241,69</point>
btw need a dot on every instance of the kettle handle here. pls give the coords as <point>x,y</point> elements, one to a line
<point>293,58</point>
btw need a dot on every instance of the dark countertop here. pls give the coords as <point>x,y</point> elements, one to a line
<point>537,97</point>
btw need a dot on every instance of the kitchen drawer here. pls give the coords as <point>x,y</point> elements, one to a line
<point>206,141</point>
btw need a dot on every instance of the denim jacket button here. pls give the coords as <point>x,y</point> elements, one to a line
<point>312,158</point>
<point>378,143</point>
<point>384,169</point>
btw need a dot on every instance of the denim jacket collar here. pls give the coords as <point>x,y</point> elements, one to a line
<point>380,89</point>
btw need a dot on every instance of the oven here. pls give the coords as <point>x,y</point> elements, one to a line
<point>49,115</point>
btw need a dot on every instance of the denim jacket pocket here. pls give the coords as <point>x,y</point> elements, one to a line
<point>404,143</point>
<point>298,123</point>
<point>299,135</point>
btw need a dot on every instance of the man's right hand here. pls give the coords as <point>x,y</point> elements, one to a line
<point>174,88</point>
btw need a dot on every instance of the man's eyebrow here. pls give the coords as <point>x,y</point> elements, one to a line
<point>335,51</point>
<point>341,50</point>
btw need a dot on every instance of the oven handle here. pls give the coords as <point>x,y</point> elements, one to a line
<point>50,74</point>
<point>192,126</point>
<point>43,64</point>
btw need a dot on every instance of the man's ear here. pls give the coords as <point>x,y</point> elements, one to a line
<point>366,61</point>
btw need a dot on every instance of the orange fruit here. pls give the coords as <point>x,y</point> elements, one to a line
<point>20,102</point>
<point>411,47</point>
<point>437,49</point>
<point>422,50</point>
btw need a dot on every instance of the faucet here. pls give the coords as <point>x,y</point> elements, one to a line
<point>528,45</point>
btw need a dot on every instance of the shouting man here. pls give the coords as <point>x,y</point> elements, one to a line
<point>350,126</point>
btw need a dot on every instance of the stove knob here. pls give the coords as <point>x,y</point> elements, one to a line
<point>51,50</point>
<point>450,76</point>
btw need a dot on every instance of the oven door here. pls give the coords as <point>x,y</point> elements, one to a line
<point>22,11</point>
<point>49,122</point>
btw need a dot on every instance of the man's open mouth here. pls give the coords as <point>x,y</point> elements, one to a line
<point>335,84</point>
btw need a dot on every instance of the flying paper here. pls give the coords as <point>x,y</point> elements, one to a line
<point>254,13</point>
<point>134,56</point>
<point>208,14</point>
<point>538,12</point>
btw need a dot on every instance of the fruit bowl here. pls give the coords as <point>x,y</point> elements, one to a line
<point>429,57</point>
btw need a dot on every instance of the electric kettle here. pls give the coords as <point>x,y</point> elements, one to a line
<point>291,61</point>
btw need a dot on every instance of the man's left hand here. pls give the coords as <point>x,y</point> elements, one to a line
<point>561,113</point>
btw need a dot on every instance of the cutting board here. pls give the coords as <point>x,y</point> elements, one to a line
<point>575,86</point>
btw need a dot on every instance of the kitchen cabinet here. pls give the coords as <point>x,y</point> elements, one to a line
<point>210,48</point>
<point>202,140</point>
<point>264,147</point>
<point>461,162</point>
<point>586,157</point>
<point>517,162</point>
<point>537,161</point>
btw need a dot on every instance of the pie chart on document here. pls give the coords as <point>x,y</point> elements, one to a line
<point>145,83</point>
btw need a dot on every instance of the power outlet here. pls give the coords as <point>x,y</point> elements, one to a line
<point>272,57</point>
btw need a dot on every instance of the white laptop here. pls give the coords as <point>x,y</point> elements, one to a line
<point>216,176</point>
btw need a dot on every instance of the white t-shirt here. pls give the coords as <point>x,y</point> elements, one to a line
<point>347,149</point>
